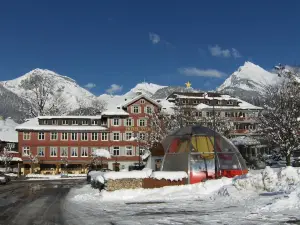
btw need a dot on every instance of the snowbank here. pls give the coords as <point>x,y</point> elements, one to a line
<point>138,174</point>
<point>286,179</point>
<point>191,191</point>
<point>173,176</point>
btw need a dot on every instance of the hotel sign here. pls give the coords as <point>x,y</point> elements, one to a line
<point>138,129</point>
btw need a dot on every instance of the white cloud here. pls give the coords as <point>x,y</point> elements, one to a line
<point>235,53</point>
<point>226,53</point>
<point>154,38</point>
<point>90,85</point>
<point>114,88</point>
<point>218,51</point>
<point>192,71</point>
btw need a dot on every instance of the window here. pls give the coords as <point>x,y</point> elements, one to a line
<point>45,122</point>
<point>53,151</point>
<point>128,136</point>
<point>74,136</point>
<point>54,122</point>
<point>11,145</point>
<point>184,101</point>
<point>64,151</point>
<point>148,109</point>
<point>135,109</point>
<point>53,136</point>
<point>74,151</point>
<point>128,150</point>
<point>41,151</point>
<point>116,151</point>
<point>142,136</point>
<point>26,135</point>
<point>116,122</point>
<point>142,101</point>
<point>74,122</point>
<point>116,136</point>
<point>84,136</point>
<point>142,122</point>
<point>94,136</point>
<point>104,137</point>
<point>229,103</point>
<point>129,122</point>
<point>64,136</point>
<point>26,151</point>
<point>142,150</point>
<point>84,151</point>
<point>41,136</point>
<point>84,122</point>
<point>65,122</point>
<point>198,114</point>
<point>94,122</point>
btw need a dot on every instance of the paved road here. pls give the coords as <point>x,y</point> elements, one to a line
<point>34,203</point>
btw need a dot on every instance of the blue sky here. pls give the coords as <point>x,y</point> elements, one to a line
<point>124,42</point>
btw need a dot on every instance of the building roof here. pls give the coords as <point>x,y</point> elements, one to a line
<point>70,117</point>
<point>33,125</point>
<point>194,94</point>
<point>127,103</point>
<point>242,105</point>
<point>115,112</point>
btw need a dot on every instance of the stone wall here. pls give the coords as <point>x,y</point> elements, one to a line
<point>127,183</point>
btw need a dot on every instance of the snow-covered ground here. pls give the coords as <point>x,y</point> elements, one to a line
<point>54,177</point>
<point>262,197</point>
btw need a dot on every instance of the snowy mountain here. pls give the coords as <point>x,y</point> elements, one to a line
<point>249,77</point>
<point>72,92</point>
<point>7,130</point>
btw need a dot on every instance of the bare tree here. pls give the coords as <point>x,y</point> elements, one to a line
<point>279,122</point>
<point>44,94</point>
<point>5,156</point>
<point>87,108</point>
<point>34,159</point>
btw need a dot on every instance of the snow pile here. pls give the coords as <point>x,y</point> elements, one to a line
<point>173,176</point>
<point>191,191</point>
<point>138,174</point>
<point>101,153</point>
<point>286,179</point>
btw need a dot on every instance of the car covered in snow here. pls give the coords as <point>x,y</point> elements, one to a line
<point>4,179</point>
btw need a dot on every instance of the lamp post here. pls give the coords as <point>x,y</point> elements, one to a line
<point>214,127</point>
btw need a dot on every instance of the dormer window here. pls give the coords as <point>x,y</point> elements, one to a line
<point>135,109</point>
<point>218,102</point>
<point>54,122</point>
<point>94,122</point>
<point>142,101</point>
<point>65,122</point>
<point>184,101</point>
<point>84,122</point>
<point>230,103</point>
<point>45,122</point>
<point>74,122</point>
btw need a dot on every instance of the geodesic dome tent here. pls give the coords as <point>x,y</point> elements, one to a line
<point>191,149</point>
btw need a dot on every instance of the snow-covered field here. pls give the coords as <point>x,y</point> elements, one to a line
<point>264,197</point>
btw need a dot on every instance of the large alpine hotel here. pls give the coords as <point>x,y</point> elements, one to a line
<point>58,140</point>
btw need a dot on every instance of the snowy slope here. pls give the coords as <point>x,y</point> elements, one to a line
<point>249,77</point>
<point>147,89</point>
<point>7,130</point>
<point>73,93</point>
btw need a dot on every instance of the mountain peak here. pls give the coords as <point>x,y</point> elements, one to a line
<point>250,77</point>
<point>145,88</point>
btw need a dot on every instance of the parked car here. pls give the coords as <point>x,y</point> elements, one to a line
<point>4,179</point>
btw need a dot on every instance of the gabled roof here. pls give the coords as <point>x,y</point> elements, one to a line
<point>127,103</point>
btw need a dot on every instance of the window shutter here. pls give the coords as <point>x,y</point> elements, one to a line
<point>120,135</point>
<point>145,122</point>
<point>138,122</point>
<point>124,121</point>
<point>124,136</point>
<point>111,136</point>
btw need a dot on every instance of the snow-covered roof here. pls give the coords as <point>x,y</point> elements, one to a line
<point>127,103</point>
<point>101,153</point>
<point>32,124</point>
<point>7,130</point>
<point>115,112</point>
<point>16,159</point>
<point>70,117</point>
<point>242,105</point>
<point>244,140</point>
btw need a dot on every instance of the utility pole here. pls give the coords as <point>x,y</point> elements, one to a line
<point>214,127</point>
